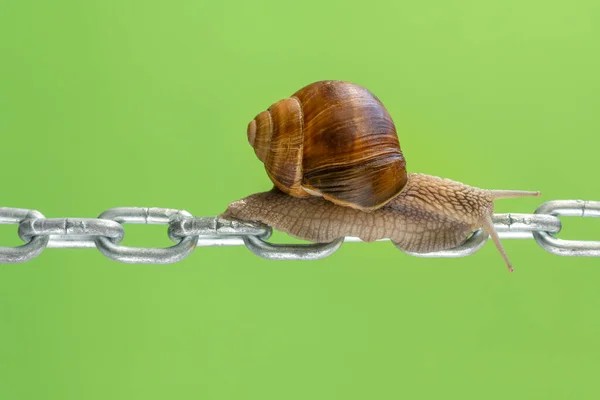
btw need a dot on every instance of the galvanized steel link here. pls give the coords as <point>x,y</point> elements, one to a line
<point>521,226</point>
<point>32,248</point>
<point>71,232</point>
<point>139,255</point>
<point>562,247</point>
<point>217,231</point>
<point>271,251</point>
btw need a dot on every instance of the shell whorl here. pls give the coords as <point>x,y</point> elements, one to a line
<point>333,139</point>
<point>277,137</point>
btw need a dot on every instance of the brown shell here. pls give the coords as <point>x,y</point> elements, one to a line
<point>333,139</point>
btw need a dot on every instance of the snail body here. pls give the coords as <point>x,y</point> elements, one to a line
<point>410,220</point>
<point>333,154</point>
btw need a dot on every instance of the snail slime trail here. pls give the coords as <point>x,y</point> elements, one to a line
<point>333,155</point>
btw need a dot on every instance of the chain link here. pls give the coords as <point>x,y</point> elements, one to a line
<point>32,248</point>
<point>561,247</point>
<point>70,232</point>
<point>187,232</point>
<point>111,248</point>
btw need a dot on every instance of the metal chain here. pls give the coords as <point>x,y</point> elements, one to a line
<point>188,232</point>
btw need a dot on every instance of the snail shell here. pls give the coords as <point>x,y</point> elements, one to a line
<point>333,139</point>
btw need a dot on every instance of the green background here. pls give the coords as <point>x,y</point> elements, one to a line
<point>144,103</point>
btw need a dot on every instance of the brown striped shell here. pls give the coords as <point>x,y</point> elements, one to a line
<point>333,139</point>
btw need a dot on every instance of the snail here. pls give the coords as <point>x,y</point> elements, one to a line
<point>333,155</point>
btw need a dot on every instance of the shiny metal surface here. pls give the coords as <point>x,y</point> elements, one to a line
<point>570,248</point>
<point>215,231</point>
<point>32,248</point>
<point>138,255</point>
<point>71,232</point>
<point>270,251</point>
<point>521,226</point>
